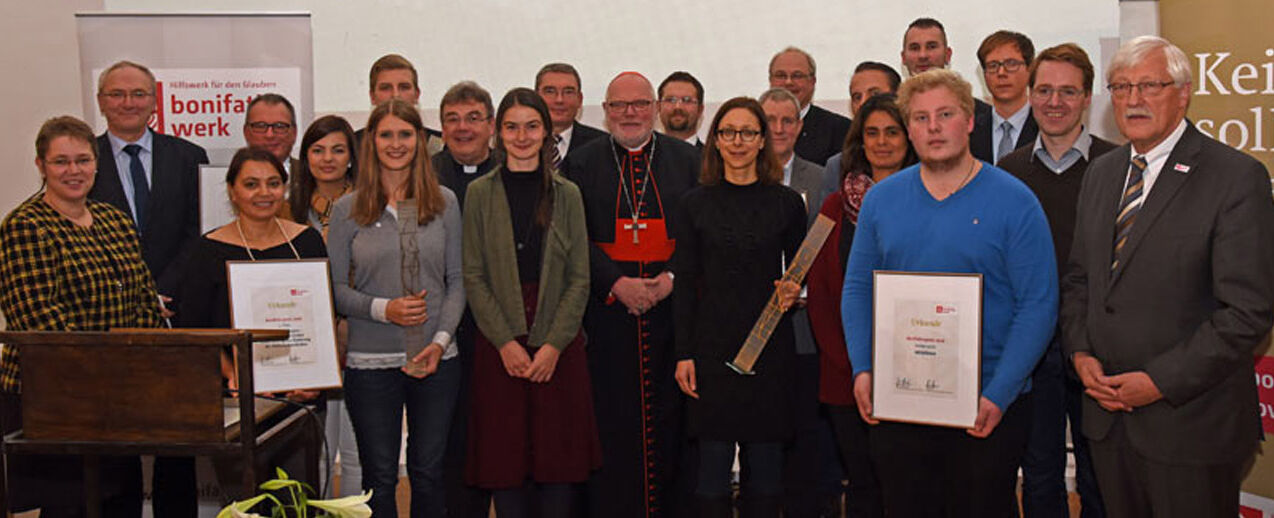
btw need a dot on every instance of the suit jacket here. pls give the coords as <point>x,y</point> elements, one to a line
<point>807,180</point>
<point>452,178</point>
<point>980,139</point>
<point>822,135</point>
<point>173,206</point>
<point>582,134</point>
<point>1189,303</point>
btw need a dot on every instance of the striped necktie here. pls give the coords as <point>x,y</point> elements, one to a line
<point>557,155</point>
<point>1129,206</point>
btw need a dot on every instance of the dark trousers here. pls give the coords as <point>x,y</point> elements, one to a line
<point>760,463</point>
<point>811,472</point>
<point>851,439</point>
<point>1134,486</point>
<point>463,500</point>
<point>375,399</point>
<point>930,471</point>
<point>174,489</point>
<point>1056,397</point>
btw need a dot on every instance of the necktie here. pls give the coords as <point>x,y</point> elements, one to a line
<point>557,154</point>
<point>1129,205</point>
<point>141,188</point>
<point>1006,140</point>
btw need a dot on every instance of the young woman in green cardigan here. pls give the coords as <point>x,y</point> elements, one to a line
<point>526,275</point>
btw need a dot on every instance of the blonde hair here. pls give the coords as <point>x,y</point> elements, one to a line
<point>936,78</point>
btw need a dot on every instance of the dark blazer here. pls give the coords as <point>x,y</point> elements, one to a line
<point>452,178</point>
<point>173,208</point>
<point>980,138</point>
<point>822,135</point>
<point>582,134</point>
<point>1189,303</point>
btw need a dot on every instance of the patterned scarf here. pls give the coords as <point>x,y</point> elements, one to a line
<point>853,188</point>
<point>322,207</point>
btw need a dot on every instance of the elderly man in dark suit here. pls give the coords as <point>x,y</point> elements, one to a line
<point>1168,291</point>
<point>154,178</point>
<point>822,132</point>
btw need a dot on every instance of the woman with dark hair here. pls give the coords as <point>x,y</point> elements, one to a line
<point>328,166</point>
<point>255,183</point>
<point>736,230</point>
<point>395,244</point>
<point>526,272</point>
<point>875,147</point>
<point>68,263</point>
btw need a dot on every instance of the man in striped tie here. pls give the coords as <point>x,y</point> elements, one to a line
<point>1168,292</point>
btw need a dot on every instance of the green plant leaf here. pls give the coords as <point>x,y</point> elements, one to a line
<point>346,507</point>
<point>236,509</point>
<point>271,485</point>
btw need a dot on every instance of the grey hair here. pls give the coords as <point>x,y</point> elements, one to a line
<point>1137,49</point>
<point>808,59</point>
<point>779,95</point>
<point>101,79</point>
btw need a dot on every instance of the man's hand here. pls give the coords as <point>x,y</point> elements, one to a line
<point>1096,384</point>
<point>660,286</point>
<point>633,294</point>
<point>862,396</point>
<point>686,378</point>
<point>989,416</point>
<point>1135,389</point>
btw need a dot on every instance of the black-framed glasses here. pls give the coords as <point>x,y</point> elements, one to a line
<point>262,127</point>
<point>1009,65</point>
<point>674,100</point>
<point>1066,93</point>
<point>747,134</point>
<point>120,95</point>
<point>639,105</point>
<point>1150,88</point>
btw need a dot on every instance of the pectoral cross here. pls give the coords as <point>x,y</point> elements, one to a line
<point>635,226</point>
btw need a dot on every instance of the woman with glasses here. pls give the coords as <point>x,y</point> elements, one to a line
<point>395,247</point>
<point>736,231</point>
<point>532,433</point>
<point>875,147</point>
<point>68,263</point>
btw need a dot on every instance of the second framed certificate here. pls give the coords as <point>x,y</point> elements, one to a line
<point>926,347</point>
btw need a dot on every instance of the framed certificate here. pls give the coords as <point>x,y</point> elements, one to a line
<point>926,347</point>
<point>295,295</point>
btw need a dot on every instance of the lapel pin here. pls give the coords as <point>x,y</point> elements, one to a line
<point>1181,168</point>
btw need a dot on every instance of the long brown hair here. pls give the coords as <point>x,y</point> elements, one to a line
<point>303,183</point>
<point>528,98</point>
<point>422,184</point>
<point>853,158</point>
<point>768,169</point>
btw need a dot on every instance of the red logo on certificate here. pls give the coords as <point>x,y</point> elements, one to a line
<point>1265,389</point>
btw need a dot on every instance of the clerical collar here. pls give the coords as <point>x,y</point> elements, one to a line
<point>642,147</point>
<point>473,169</point>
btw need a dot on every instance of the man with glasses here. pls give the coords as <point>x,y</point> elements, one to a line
<point>681,107</point>
<point>154,178</point>
<point>1005,124</point>
<point>467,125</point>
<point>823,132</point>
<point>270,126</point>
<point>631,184</point>
<point>1167,295</point>
<point>559,85</point>
<point>1061,80</point>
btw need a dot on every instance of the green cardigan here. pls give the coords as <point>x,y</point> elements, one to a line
<point>491,269</point>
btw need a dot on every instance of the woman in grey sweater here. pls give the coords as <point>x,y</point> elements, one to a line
<point>395,255</point>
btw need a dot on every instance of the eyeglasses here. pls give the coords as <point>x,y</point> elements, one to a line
<point>1066,93</point>
<point>1009,65</point>
<point>673,100</point>
<point>794,76</point>
<point>640,105</point>
<point>472,118</point>
<point>747,134</point>
<point>1147,88</point>
<point>263,127</point>
<point>120,95</point>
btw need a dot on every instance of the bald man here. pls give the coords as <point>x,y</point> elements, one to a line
<point>631,182</point>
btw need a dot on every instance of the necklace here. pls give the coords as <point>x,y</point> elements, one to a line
<point>322,206</point>
<point>239,225</point>
<point>628,197</point>
<point>972,165</point>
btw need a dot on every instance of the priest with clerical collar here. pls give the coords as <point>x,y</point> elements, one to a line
<point>631,183</point>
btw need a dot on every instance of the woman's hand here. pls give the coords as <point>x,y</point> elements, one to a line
<point>686,378</point>
<point>541,370</point>
<point>788,292</point>
<point>408,310</point>
<point>516,362</point>
<point>425,362</point>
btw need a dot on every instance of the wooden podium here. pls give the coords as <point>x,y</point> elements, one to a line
<point>143,392</point>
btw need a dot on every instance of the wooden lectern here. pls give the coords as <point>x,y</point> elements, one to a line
<point>141,392</point>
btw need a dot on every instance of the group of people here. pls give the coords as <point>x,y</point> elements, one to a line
<point>554,306</point>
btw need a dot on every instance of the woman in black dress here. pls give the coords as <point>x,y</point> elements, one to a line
<point>736,230</point>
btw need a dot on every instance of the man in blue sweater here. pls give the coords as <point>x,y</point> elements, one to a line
<point>953,213</point>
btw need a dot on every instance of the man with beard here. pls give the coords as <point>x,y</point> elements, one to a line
<point>631,183</point>
<point>681,107</point>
